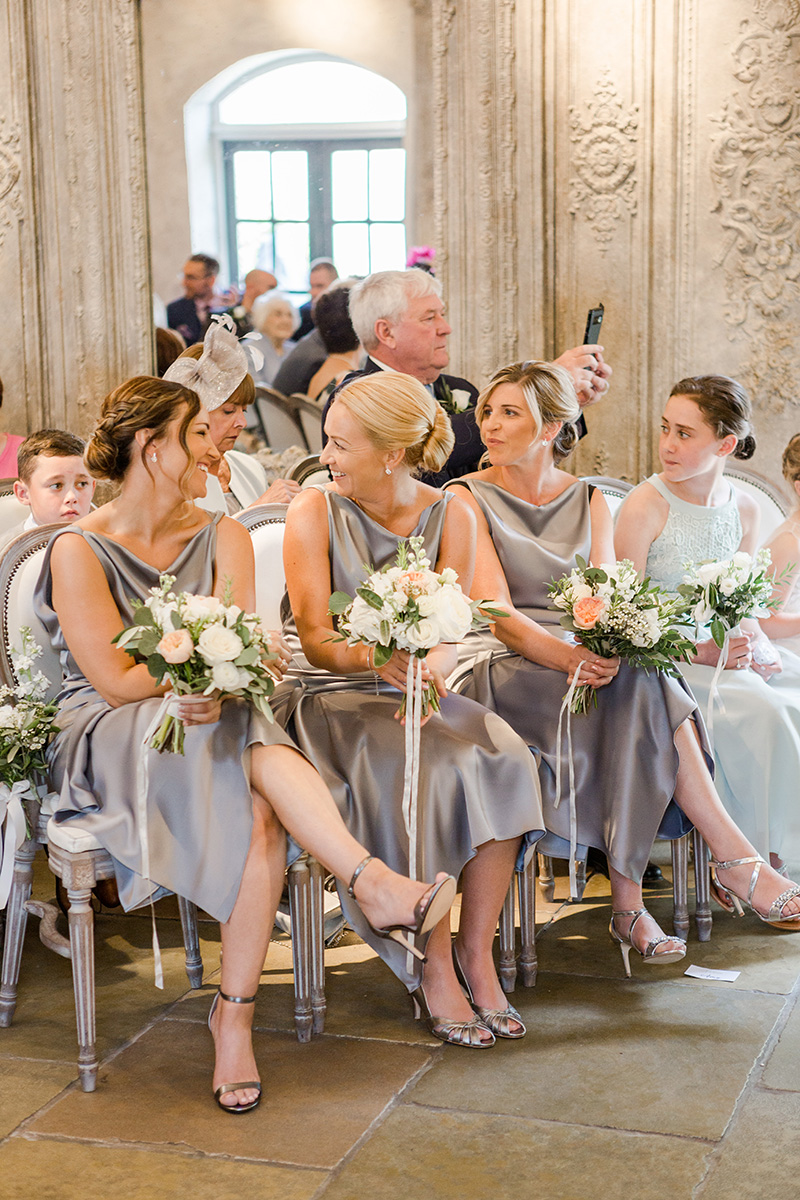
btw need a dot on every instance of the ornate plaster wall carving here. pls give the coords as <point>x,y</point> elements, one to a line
<point>755,167</point>
<point>603,186</point>
<point>10,172</point>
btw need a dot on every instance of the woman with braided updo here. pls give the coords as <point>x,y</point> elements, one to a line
<point>478,791</point>
<point>215,817</point>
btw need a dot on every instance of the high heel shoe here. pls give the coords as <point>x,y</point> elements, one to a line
<point>455,1033</point>
<point>496,1019</point>
<point>731,901</point>
<point>649,953</point>
<point>429,910</point>
<point>225,1089</point>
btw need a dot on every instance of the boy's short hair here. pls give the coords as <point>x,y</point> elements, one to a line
<point>52,443</point>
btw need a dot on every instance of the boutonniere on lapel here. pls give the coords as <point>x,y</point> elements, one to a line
<point>452,400</point>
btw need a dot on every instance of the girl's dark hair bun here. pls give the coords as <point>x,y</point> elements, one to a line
<point>745,447</point>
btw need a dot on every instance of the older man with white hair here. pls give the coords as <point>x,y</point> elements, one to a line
<point>399,317</point>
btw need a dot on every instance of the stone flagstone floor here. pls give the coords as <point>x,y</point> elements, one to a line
<point>662,1086</point>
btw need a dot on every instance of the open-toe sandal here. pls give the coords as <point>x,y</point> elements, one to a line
<point>497,1019</point>
<point>650,956</point>
<point>429,910</point>
<point>225,1089</point>
<point>732,901</point>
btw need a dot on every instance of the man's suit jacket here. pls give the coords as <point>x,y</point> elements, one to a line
<point>468,447</point>
<point>182,316</point>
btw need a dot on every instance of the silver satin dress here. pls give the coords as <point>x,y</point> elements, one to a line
<point>199,806</point>
<point>477,781</point>
<point>624,752</point>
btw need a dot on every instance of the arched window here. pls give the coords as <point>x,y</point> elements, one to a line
<point>313,167</point>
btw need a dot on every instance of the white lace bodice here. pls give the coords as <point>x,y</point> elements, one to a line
<point>691,534</point>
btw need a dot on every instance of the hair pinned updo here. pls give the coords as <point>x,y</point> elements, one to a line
<point>550,395</point>
<point>397,413</point>
<point>143,402</point>
<point>725,406</point>
<point>791,460</point>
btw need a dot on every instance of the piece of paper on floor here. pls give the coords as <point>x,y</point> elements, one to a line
<point>707,973</point>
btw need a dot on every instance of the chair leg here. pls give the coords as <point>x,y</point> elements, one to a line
<point>317,948</point>
<point>16,922</point>
<point>680,886</point>
<point>547,879</point>
<point>508,955</point>
<point>191,942</point>
<point>300,913</point>
<point>81,937</point>
<point>528,963</point>
<point>702,888</point>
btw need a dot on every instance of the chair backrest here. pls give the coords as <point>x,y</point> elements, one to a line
<point>309,471</point>
<point>12,512</point>
<point>266,523</point>
<point>279,419</point>
<point>771,501</point>
<point>310,416</point>
<point>20,566</point>
<point>614,490</point>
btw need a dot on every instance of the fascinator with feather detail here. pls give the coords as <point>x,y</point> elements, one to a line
<point>220,369</point>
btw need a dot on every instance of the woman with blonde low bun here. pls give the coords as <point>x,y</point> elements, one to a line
<point>215,817</point>
<point>478,790</point>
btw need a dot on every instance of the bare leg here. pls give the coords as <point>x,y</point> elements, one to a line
<point>697,796</point>
<point>306,809</point>
<point>245,938</point>
<point>626,896</point>
<point>485,881</point>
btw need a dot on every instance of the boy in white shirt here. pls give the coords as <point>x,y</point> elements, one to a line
<point>53,480</point>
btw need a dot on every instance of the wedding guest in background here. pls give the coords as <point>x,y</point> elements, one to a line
<point>332,315</point>
<point>9,445</point>
<point>639,748</point>
<point>217,369</point>
<point>274,317</point>
<point>399,317</point>
<point>321,275</point>
<point>691,513</point>
<point>53,480</point>
<point>299,367</point>
<point>225,850</point>
<point>169,346</point>
<point>784,546</point>
<point>478,794</point>
<point>190,313</point>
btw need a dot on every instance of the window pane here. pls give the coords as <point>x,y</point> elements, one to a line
<point>251,185</point>
<point>349,183</point>
<point>351,249</point>
<point>254,246</point>
<point>388,247</point>
<point>313,92</point>
<point>387,184</point>
<point>290,185</point>
<point>292,256</point>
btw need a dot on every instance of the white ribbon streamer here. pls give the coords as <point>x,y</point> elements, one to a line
<point>714,693</point>
<point>411,771</point>
<point>142,775</point>
<point>566,706</point>
<point>13,831</point>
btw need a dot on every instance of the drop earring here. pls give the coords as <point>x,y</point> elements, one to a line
<point>152,457</point>
<point>387,470</point>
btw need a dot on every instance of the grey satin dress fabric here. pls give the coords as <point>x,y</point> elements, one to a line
<point>624,753</point>
<point>200,811</point>
<point>477,779</point>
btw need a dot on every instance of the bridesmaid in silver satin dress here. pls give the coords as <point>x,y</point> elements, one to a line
<point>639,748</point>
<point>478,791</point>
<point>216,816</point>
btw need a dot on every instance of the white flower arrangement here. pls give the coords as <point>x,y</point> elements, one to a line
<point>719,594</point>
<point>204,645</point>
<point>407,606</point>
<point>26,717</point>
<point>611,611</point>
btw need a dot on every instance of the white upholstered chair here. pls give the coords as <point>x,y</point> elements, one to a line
<point>12,511</point>
<point>74,855</point>
<point>309,471</point>
<point>771,501</point>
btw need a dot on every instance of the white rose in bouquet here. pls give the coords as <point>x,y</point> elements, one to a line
<point>423,636</point>
<point>225,677</point>
<point>453,614</point>
<point>365,621</point>
<point>218,644</point>
<point>200,608</point>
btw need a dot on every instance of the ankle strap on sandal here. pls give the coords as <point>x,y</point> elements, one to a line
<point>237,999</point>
<point>351,887</point>
<point>736,862</point>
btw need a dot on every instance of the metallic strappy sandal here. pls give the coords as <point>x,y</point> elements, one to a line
<point>649,953</point>
<point>730,900</point>
<point>497,1019</point>
<point>225,1089</point>
<point>455,1033</point>
<point>432,908</point>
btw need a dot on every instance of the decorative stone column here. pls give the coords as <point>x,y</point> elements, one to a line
<point>74,261</point>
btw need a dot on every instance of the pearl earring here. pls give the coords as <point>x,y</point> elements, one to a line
<point>152,457</point>
<point>387,470</point>
<point>545,442</point>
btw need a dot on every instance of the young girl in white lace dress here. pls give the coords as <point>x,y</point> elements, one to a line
<point>689,513</point>
<point>784,546</point>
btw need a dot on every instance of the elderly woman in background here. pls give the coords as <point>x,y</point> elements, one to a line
<point>332,318</point>
<point>9,445</point>
<point>275,319</point>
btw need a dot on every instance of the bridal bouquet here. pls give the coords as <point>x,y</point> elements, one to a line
<point>407,606</point>
<point>721,594</point>
<point>611,611</point>
<point>204,646</point>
